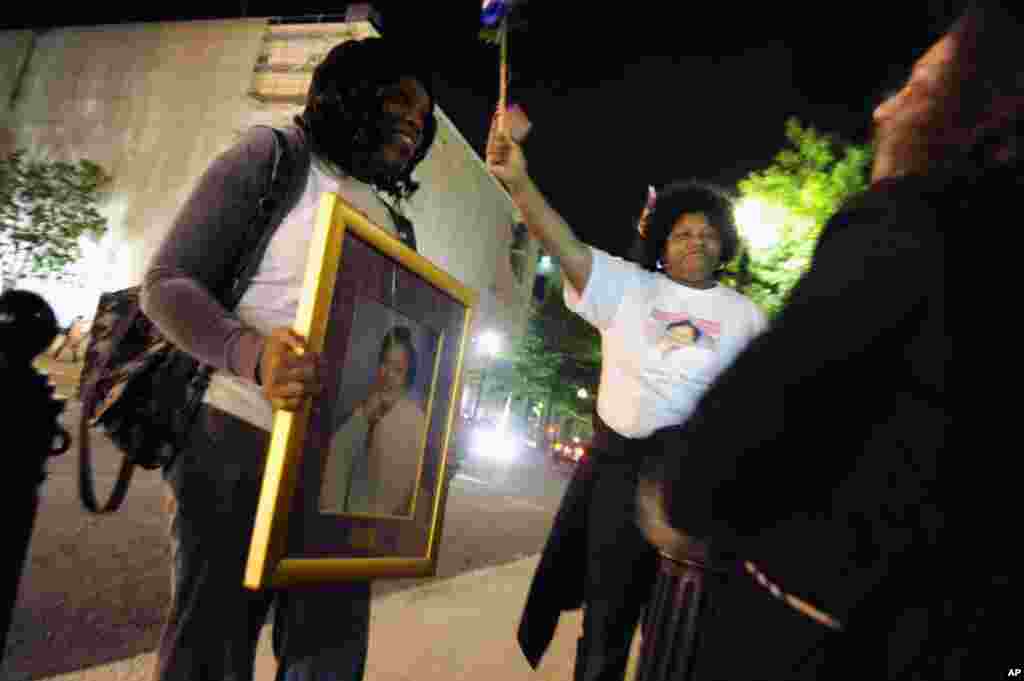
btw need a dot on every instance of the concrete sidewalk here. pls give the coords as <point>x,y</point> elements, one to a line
<point>456,629</point>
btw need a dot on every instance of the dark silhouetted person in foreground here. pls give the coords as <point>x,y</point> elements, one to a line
<point>31,420</point>
<point>813,462</point>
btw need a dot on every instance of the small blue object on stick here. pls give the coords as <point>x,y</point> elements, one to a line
<point>493,12</point>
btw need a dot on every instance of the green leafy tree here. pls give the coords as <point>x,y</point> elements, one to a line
<point>792,199</point>
<point>46,207</point>
<point>559,354</point>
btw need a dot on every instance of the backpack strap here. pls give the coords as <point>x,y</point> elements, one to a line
<point>86,480</point>
<point>406,232</point>
<point>261,231</point>
<point>264,226</point>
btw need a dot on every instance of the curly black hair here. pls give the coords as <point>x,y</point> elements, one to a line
<point>401,335</point>
<point>689,196</point>
<point>344,114</point>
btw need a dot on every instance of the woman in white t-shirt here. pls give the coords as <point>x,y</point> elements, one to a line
<point>668,328</point>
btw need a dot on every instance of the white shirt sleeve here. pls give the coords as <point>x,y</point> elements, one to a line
<point>610,278</point>
<point>760,320</point>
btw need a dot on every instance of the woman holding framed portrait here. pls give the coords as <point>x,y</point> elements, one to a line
<point>368,122</point>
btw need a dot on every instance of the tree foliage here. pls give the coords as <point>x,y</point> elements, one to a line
<point>46,207</point>
<point>801,189</point>
<point>557,355</point>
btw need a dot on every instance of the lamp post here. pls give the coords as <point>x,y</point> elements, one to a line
<point>760,222</point>
<point>490,346</point>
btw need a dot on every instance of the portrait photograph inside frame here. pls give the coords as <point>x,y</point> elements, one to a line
<point>356,481</point>
<point>375,456</point>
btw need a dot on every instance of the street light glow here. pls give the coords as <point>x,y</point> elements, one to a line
<point>490,342</point>
<point>760,222</point>
<point>490,345</point>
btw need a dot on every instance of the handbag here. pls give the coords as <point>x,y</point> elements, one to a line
<point>142,390</point>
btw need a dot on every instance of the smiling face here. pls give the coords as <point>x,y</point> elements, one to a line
<point>407,107</point>
<point>913,125</point>
<point>693,251</point>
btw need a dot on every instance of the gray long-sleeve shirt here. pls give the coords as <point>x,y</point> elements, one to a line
<point>196,258</point>
<point>198,255</point>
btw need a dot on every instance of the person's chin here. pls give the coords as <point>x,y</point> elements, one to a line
<point>689,274</point>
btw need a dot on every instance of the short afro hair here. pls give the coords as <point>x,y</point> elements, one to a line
<point>689,196</point>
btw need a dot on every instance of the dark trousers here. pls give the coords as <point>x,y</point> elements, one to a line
<point>620,566</point>
<point>214,623</point>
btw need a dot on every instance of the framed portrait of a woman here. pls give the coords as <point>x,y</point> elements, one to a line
<point>355,483</point>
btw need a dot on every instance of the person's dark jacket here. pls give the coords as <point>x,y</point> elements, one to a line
<point>558,582</point>
<point>816,454</point>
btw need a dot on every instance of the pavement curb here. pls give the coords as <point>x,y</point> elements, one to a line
<point>455,629</point>
<point>450,628</point>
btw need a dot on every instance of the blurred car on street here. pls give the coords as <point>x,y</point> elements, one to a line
<point>570,451</point>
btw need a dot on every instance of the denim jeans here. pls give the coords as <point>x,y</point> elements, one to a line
<point>211,633</point>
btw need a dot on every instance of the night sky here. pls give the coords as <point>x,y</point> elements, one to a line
<point>636,93</point>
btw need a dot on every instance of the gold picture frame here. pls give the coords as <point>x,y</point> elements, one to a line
<point>356,272</point>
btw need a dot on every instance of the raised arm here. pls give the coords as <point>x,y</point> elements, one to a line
<point>506,160</point>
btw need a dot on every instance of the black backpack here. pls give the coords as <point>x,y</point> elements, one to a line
<point>136,385</point>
